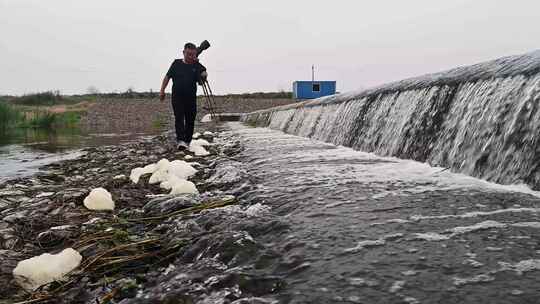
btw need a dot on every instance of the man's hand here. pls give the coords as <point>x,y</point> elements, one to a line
<point>202,79</point>
<point>161,96</point>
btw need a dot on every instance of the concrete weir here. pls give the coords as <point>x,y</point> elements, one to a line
<point>482,120</point>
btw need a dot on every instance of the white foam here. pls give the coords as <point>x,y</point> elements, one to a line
<point>206,118</point>
<point>411,300</point>
<point>363,244</point>
<point>414,177</point>
<point>392,236</point>
<point>99,199</point>
<point>44,194</point>
<point>527,224</point>
<point>197,147</point>
<point>397,286</point>
<point>481,278</point>
<point>181,186</point>
<point>208,133</point>
<point>171,175</point>
<point>479,226</point>
<point>362,282</point>
<point>200,142</point>
<point>161,171</point>
<point>165,170</point>
<point>46,268</point>
<point>522,266</point>
<point>257,209</point>
<point>137,172</point>
<point>398,221</point>
<point>473,263</point>
<point>198,150</point>
<point>474,214</point>
<point>431,236</point>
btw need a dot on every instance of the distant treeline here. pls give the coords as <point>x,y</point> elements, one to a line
<point>55,97</point>
<point>261,95</point>
<point>41,98</point>
<point>151,94</point>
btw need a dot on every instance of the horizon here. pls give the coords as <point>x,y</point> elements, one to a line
<point>254,49</point>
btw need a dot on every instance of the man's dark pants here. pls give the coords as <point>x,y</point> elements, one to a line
<point>185,110</point>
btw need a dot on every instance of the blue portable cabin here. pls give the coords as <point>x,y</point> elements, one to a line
<point>313,89</point>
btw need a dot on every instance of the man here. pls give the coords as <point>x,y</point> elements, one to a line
<point>185,74</point>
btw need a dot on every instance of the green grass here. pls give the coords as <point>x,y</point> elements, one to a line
<point>9,116</point>
<point>13,117</point>
<point>47,120</point>
<point>159,122</point>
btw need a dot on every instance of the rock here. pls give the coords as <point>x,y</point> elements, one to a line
<point>8,239</point>
<point>167,204</point>
<point>57,234</point>
<point>71,195</point>
<point>15,217</point>
<point>44,194</point>
<point>254,300</point>
<point>227,174</point>
<point>8,262</point>
<point>4,204</point>
<point>5,193</point>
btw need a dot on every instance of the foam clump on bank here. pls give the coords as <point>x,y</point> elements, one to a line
<point>99,199</point>
<point>172,175</point>
<point>179,186</point>
<point>206,118</point>
<point>165,169</point>
<point>138,172</point>
<point>46,268</point>
<point>197,147</point>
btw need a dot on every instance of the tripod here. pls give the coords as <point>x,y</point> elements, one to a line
<point>210,101</point>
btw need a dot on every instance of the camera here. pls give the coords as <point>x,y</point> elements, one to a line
<point>203,46</point>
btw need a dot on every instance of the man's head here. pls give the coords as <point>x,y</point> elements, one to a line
<point>190,53</point>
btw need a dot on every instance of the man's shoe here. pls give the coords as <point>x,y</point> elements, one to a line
<point>181,145</point>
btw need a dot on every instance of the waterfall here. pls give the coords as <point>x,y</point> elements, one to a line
<point>482,120</point>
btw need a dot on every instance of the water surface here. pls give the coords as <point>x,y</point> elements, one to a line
<point>23,151</point>
<point>370,229</point>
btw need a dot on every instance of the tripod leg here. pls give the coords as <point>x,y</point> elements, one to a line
<point>212,100</point>
<point>208,101</point>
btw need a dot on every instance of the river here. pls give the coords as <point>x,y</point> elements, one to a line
<point>371,229</point>
<point>23,151</point>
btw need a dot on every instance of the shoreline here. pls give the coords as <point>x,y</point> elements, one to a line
<point>136,248</point>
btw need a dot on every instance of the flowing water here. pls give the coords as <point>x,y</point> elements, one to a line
<point>374,229</point>
<point>482,120</point>
<point>371,229</point>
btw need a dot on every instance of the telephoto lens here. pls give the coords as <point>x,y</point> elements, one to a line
<point>203,46</point>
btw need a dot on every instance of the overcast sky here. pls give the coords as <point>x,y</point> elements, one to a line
<point>70,45</point>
